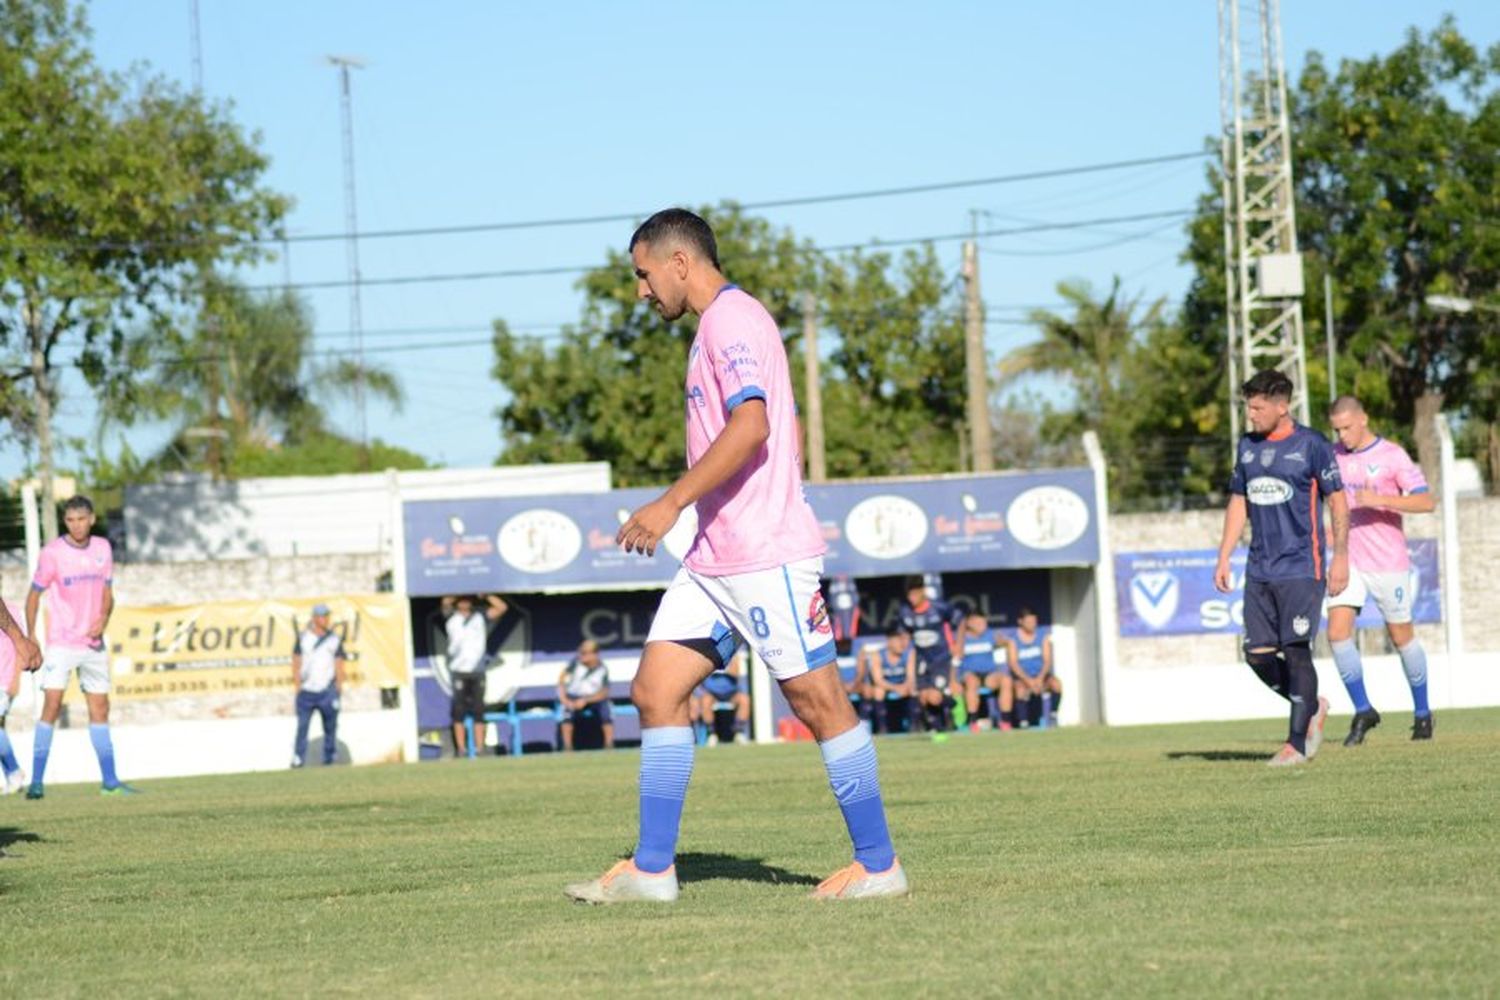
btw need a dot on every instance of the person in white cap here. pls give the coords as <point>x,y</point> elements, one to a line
<point>318,671</point>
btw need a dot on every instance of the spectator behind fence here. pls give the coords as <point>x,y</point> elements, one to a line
<point>979,666</point>
<point>318,671</point>
<point>932,624</point>
<point>893,680</point>
<point>1038,691</point>
<point>583,690</point>
<point>726,687</point>
<point>468,641</point>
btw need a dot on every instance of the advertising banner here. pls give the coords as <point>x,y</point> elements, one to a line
<point>246,646</point>
<point>1173,593</point>
<point>519,544</point>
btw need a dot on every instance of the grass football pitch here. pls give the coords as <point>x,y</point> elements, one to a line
<point>1141,861</point>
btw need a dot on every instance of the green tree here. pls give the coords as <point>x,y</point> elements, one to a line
<point>115,192</point>
<point>610,388</point>
<point>246,391</point>
<point>1397,166</point>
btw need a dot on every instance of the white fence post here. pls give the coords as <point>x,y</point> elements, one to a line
<point>1107,616</point>
<point>1453,625</point>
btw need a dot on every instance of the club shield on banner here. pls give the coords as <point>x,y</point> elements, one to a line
<point>1173,592</point>
<point>224,647</point>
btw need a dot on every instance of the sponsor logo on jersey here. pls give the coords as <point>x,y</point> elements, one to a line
<point>696,398</point>
<point>1247,456</point>
<point>1297,456</point>
<point>1268,491</point>
<point>1154,596</point>
<point>1048,517</point>
<point>539,540</point>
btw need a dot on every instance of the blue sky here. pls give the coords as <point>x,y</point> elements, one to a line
<point>485,112</point>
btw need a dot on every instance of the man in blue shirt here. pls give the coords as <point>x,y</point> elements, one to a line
<point>933,626</point>
<point>1283,475</point>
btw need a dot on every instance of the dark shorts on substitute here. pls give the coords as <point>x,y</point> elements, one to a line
<point>468,696</point>
<point>1282,612</point>
<point>932,676</point>
<point>596,710</point>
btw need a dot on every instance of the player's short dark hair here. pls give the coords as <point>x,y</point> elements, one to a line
<point>1270,383</point>
<point>1346,404</point>
<point>894,629</point>
<point>78,502</point>
<point>678,225</point>
<point>913,582</point>
<point>1026,609</point>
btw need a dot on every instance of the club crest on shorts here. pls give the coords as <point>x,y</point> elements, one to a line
<point>817,615</point>
<point>1301,625</point>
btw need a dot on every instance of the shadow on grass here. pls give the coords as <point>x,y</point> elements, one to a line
<point>1218,755</point>
<point>13,835</point>
<point>699,867</point>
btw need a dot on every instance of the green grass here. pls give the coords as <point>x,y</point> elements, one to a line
<point>1081,862</point>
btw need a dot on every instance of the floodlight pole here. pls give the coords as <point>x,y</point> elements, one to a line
<point>351,247</point>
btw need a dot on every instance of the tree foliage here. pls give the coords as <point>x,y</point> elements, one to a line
<point>116,191</point>
<point>610,388</point>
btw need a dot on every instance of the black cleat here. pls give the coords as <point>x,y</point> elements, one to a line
<point>1421,727</point>
<point>1362,724</point>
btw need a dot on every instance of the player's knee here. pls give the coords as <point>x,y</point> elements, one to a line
<point>1298,655</point>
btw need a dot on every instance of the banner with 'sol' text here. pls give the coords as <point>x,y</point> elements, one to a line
<point>228,647</point>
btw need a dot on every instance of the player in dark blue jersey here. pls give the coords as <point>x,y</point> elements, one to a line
<point>933,625</point>
<point>1284,474</point>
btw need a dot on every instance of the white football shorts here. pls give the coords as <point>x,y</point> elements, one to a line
<point>778,611</point>
<point>92,666</point>
<point>1393,593</point>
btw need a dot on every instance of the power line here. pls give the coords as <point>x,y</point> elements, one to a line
<point>875,244</point>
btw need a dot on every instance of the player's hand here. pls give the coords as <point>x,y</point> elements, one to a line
<point>647,526</point>
<point>28,654</point>
<point>1366,498</point>
<point>1222,577</point>
<point>1338,576</point>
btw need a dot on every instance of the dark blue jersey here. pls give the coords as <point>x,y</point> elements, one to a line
<point>843,607</point>
<point>932,630</point>
<point>1284,483</point>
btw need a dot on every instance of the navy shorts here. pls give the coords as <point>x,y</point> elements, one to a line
<point>598,710</point>
<point>468,696</point>
<point>933,676</point>
<point>1282,612</point>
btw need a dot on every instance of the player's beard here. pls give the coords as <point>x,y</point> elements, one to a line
<point>670,313</point>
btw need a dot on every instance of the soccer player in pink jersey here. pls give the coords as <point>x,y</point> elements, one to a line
<point>752,571</point>
<point>1382,484</point>
<point>17,653</point>
<point>76,572</point>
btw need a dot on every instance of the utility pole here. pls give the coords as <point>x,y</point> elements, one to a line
<point>351,248</point>
<point>1262,269</point>
<point>981,451</point>
<point>817,464</point>
<point>197,48</point>
<point>41,387</point>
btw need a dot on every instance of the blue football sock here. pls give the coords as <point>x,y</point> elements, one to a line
<point>666,767</point>
<point>1351,672</point>
<point>41,747</point>
<point>105,748</point>
<point>855,779</point>
<point>1414,661</point>
<point>8,762</point>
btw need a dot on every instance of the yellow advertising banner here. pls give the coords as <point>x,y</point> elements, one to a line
<point>225,647</point>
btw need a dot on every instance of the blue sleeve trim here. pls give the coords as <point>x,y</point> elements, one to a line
<point>746,394</point>
<point>38,587</point>
<point>1419,489</point>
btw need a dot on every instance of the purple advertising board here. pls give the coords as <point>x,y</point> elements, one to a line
<point>958,523</point>
<point>1173,592</point>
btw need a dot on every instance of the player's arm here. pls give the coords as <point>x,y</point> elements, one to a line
<point>106,608</point>
<point>1046,671</point>
<point>338,669</point>
<point>1235,516</point>
<point>1338,514</point>
<point>28,656</point>
<point>495,607</point>
<point>296,667</point>
<point>562,690</point>
<point>1408,503</point>
<point>745,434</point>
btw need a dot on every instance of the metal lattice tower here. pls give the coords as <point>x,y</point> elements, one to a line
<point>1263,272</point>
<point>351,243</point>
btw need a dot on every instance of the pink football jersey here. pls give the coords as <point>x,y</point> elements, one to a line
<point>8,651</point>
<point>75,579</point>
<point>1377,542</point>
<point>759,517</point>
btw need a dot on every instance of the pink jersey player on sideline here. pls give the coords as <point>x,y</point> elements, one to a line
<point>752,573</point>
<point>1382,468</point>
<point>1383,485</point>
<point>759,517</point>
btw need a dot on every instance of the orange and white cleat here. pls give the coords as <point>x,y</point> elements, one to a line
<point>625,883</point>
<point>1287,756</point>
<point>1315,728</point>
<point>855,882</point>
